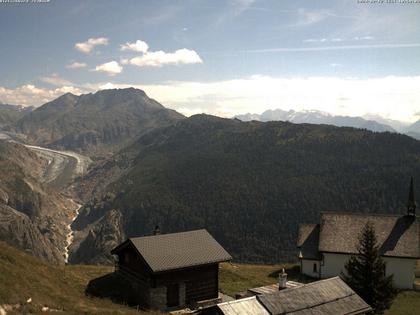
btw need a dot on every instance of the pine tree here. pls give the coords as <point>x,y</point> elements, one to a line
<point>365,273</point>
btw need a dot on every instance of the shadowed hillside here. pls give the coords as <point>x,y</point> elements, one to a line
<point>33,216</point>
<point>250,184</point>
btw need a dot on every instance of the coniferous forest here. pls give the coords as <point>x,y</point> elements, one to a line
<point>250,184</point>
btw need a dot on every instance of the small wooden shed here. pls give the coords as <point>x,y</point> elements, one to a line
<point>171,271</point>
<point>328,297</point>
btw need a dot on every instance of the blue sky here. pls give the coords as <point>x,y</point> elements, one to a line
<point>219,57</point>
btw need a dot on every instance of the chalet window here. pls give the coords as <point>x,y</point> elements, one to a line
<point>315,268</point>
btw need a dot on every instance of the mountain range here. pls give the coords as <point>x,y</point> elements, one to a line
<point>414,130</point>
<point>96,123</point>
<point>370,122</point>
<point>316,117</point>
<point>250,183</point>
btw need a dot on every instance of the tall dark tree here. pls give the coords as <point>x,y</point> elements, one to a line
<point>365,273</point>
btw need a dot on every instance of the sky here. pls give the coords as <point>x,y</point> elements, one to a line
<point>221,57</point>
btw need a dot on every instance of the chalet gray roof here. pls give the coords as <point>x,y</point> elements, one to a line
<point>246,306</point>
<point>398,236</point>
<point>308,240</point>
<point>179,250</point>
<point>330,297</point>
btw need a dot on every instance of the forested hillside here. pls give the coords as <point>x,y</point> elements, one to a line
<point>250,184</point>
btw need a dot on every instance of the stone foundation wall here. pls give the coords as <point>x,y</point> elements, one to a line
<point>158,298</point>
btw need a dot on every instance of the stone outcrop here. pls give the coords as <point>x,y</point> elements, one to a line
<point>100,238</point>
<point>18,229</point>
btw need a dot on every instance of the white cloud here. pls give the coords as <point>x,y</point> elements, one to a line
<point>55,79</point>
<point>337,39</point>
<point>327,48</point>
<point>161,58</point>
<point>310,17</point>
<point>124,61</point>
<point>30,95</point>
<point>111,68</point>
<point>391,97</point>
<point>363,38</point>
<point>158,58</point>
<point>139,46</point>
<point>76,65</point>
<point>87,46</point>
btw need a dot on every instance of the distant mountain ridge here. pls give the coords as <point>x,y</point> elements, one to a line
<point>317,117</point>
<point>19,108</point>
<point>96,123</point>
<point>10,114</point>
<point>414,130</point>
<point>415,135</point>
<point>399,126</point>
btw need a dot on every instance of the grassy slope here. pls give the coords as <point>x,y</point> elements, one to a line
<point>407,302</point>
<point>239,277</point>
<point>23,276</point>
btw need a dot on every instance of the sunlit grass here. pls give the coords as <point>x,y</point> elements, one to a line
<point>234,278</point>
<point>62,287</point>
<point>57,287</point>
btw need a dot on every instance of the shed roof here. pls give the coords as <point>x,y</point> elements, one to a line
<point>246,306</point>
<point>178,250</point>
<point>308,241</point>
<point>331,297</point>
<point>398,236</point>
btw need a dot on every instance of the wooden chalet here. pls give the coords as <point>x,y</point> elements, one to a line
<point>171,271</point>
